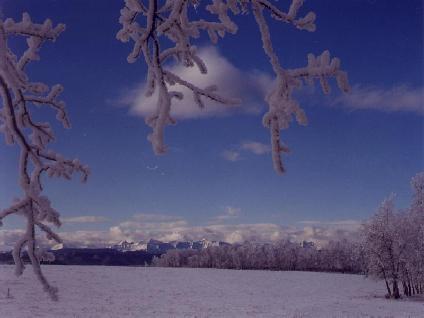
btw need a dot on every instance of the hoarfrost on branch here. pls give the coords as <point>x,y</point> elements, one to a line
<point>19,128</point>
<point>171,19</point>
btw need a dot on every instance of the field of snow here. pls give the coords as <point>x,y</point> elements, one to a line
<point>167,292</point>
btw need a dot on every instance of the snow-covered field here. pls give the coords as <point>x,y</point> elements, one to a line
<point>167,292</point>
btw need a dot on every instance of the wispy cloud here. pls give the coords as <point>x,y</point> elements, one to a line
<point>250,86</point>
<point>8,238</point>
<point>86,239</point>
<point>155,217</point>
<point>255,147</point>
<point>231,155</point>
<point>245,147</point>
<point>230,213</point>
<point>352,225</point>
<point>399,98</point>
<point>85,219</point>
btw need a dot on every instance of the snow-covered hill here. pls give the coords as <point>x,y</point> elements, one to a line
<point>135,292</point>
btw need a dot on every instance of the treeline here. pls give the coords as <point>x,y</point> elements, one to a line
<point>88,256</point>
<point>343,256</point>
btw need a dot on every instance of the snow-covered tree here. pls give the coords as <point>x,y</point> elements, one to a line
<point>383,248</point>
<point>394,244</point>
<point>413,228</point>
<point>166,30</point>
<point>417,184</point>
<point>18,93</point>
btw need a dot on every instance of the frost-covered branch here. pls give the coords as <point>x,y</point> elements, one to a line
<point>19,128</point>
<point>282,105</point>
<point>171,19</point>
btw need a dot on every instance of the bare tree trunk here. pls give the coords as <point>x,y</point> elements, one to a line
<point>389,292</point>
<point>396,294</point>
<point>405,288</point>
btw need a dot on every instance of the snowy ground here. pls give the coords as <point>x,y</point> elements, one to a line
<point>165,292</point>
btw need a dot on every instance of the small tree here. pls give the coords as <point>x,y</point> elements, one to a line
<point>32,137</point>
<point>413,270</point>
<point>382,246</point>
<point>167,31</point>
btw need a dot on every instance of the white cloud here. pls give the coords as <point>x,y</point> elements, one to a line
<point>255,147</point>
<point>230,213</point>
<point>86,239</point>
<point>85,219</point>
<point>180,229</point>
<point>398,98</point>
<point>248,146</point>
<point>8,238</point>
<point>155,218</point>
<point>231,155</point>
<point>350,224</point>
<point>232,82</point>
<point>143,227</point>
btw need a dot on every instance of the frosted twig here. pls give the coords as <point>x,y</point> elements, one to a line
<point>170,20</point>
<point>281,104</point>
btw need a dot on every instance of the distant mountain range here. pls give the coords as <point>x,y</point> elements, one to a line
<point>122,254</point>
<point>159,247</point>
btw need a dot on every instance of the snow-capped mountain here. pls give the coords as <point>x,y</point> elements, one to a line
<point>130,246</point>
<point>155,246</point>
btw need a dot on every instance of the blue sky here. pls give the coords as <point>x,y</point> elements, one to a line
<point>356,150</point>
